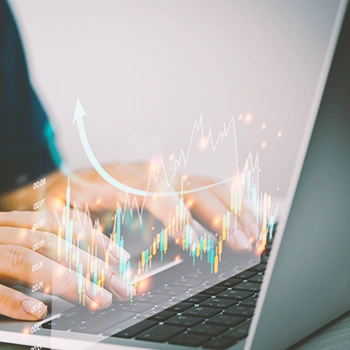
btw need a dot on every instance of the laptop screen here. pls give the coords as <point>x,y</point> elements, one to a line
<point>187,122</point>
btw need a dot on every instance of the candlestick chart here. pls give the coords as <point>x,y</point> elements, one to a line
<point>242,189</point>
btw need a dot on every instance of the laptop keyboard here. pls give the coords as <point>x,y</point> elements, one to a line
<point>215,318</point>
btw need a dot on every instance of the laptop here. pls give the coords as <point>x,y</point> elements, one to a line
<point>298,283</point>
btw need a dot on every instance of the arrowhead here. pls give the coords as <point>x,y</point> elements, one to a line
<point>79,111</point>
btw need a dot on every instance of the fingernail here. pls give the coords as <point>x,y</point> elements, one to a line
<point>99,295</point>
<point>243,241</point>
<point>34,308</point>
<point>118,285</point>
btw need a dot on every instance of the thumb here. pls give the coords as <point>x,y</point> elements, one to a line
<point>17,305</point>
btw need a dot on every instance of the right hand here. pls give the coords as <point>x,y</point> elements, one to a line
<point>18,258</point>
<point>206,206</point>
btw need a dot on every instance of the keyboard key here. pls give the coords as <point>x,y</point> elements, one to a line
<point>268,246</point>
<point>188,283</point>
<point>135,307</point>
<point>103,322</point>
<point>180,307</point>
<point>248,286</point>
<point>82,314</point>
<point>266,254</point>
<point>259,268</point>
<point>213,291</point>
<point>199,289</point>
<point>231,282</point>
<point>250,301</point>
<point>60,324</point>
<point>211,283</point>
<point>219,303</point>
<point>245,275</point>
<point>163,316</point>
<point>161,333</point>
<point>136,329</point>
<point>154,299</point>
<point>184,321</point>
<point>264,258</point>
<point>257,278</point>
<point>226,320</point>
<point>239,333</point>
<point>219,343</point>
<point>171,290</point>
<point>241,310</point>
<point>197,274</point>
<point>167,304</point>
<point>189,340</point>
<point>184,296</point>
<point>235,294</point>
<point>200,311</point>
<point>197,299</point>
<point>208,329</point>
<point>74,318</point>
<point>149,313</point>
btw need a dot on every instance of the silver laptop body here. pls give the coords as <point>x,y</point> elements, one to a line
<point>307,281</point>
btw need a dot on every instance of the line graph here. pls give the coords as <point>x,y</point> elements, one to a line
<point>244,187</point>
<point>155,169</point>
<point>196,248</point>
<point>131,205</point>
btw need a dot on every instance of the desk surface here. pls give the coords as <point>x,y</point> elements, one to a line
<point>333,336</point>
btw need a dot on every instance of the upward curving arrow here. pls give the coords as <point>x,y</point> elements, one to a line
<point>79,113</point>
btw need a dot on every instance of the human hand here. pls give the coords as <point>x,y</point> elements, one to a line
<point>89,188</point>
<point>31,258</point>
<point>207,206</point>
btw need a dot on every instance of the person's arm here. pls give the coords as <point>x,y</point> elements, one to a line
<point>28,153</point>
<point>27,149</point>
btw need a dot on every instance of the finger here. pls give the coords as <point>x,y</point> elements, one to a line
<point>90,237</point>
<point>17,305</point>
<point>81,227</point>
<point>205,207</point>
<point>246,217</point>
<point>250,223</point>
<point>17,263</point>
<point>209,210</point>
<point>89,189</point>
<point>82,191</point>
<point>53,247</point>
<point>164,209</point>
<point>238,239</point>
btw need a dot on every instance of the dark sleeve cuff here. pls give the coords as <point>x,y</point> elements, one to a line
<point>25,169</point>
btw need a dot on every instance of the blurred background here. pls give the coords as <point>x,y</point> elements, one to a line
<point>146,71</point>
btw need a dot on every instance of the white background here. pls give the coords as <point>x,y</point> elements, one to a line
<point>146,70</point>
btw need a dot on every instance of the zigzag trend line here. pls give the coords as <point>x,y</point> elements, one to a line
<point>133,206</point>
<point>78,117</point>
<point>246,186</point>
<point>156,169</point>
<point>184,155</point>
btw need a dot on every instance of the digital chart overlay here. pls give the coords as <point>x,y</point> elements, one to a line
<point>244,190</point>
